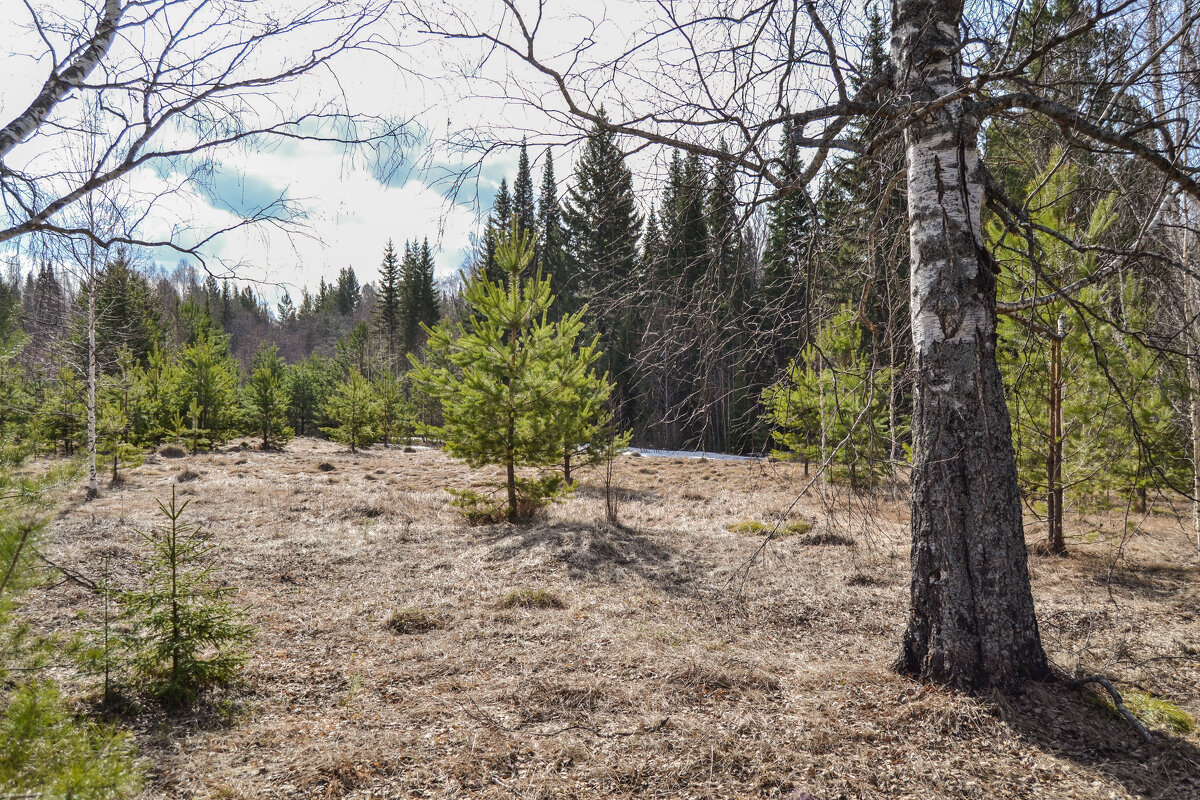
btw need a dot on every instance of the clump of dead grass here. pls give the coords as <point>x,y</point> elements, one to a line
<point>172,451</point>
<point>410,620</point>
<point>708,678</point>
<point>186,475</point>
<point>325,466</point>
<point>532,598</point>
<point>754,527</point>
<point>828,538</point>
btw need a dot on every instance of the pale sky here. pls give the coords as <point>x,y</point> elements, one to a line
<point>350,211</point>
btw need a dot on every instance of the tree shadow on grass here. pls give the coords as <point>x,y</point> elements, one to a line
<point>597,552</point>
<point>1067,722</point>
<point>1150,581</point>
<point>624,495</point>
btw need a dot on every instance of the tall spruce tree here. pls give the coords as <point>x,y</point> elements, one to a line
<point>787,262</point>
<point>551,241</point>
<point>498,223</point>
<point>390,314</point>
<point>420,295</point>
<point>522,198</point>
<point>348,292</point>
<point>603,224</point>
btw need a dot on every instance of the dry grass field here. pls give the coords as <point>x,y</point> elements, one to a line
<point>402,653</point>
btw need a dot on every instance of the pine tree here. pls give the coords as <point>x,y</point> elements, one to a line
<point>391,314</point>
<point>397,415</point>
<point>187,636</point>
<point>155,398</point>
<point>208,387</point>
<point>508,381</point>
<point>353,409</point>
<point>832,406</point>
<point>266,397</point>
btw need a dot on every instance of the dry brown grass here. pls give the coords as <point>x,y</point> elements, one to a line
<point>689,660</point>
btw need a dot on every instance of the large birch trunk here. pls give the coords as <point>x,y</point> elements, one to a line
<point>972,623</point>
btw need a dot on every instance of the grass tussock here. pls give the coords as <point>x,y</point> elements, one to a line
<point>756,527</point>
<point>532,598</point>
<point>187,475</point>
<point>411,620</point>
<point>826,538</point>
<point>1154,712</point>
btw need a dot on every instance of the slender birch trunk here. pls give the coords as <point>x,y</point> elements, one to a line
<point>971,622</point>
<point>93,481</point>
<point>1191,307</point>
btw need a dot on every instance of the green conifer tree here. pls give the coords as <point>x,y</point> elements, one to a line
<point>391,308</point>
<point>208,384</point>
<point>603,224</point>
<point>832,406</point>
<point>397,414</point>
<point>551,241</point>
<point>187,636</point>
<point>353,409</point>
<point>507,380</point>
<point>266,397</point>
<point>522,198</point>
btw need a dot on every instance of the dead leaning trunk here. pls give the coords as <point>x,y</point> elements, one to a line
<point>972,623</point>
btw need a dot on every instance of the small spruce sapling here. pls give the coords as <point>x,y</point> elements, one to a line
<point>186,634</point>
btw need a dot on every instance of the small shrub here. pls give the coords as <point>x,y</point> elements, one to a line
<point>532,598</point>
<point>411,620</point>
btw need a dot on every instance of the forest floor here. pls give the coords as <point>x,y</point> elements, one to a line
<point>666,657</point>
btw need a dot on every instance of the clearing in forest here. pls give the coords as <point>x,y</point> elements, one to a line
<point>403,653</point>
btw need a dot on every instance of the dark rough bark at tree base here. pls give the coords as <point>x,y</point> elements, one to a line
<point>971,623</point>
